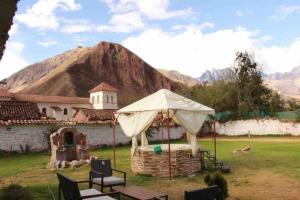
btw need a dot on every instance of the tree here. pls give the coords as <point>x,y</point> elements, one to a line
<point>253,96</point>
<point>242,94</point>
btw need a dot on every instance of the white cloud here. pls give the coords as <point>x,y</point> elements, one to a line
<point>158,9</point>
<point>47,43</point>
<point>77,26</point>
<point>124,23</point>
<point>132,15</point>
<point>266,38</point>
<point>284,11</point>
<point>151,9</point>
<point>42,14</point>
<point>194,26</point>
<point>241,13</point>
<point>13,59</point>
<point>14,29</point>
<point>192,52</point>
<point>279,58</point>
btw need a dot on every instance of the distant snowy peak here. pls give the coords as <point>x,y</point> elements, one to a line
<point>210,76</point>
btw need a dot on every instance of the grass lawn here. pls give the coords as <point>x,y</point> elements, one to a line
<point>270,171</point>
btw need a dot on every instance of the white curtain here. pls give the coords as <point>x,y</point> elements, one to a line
<point>144,140</point>
<point>192,122</point>
<point>134,144</point>
<point>192,139</point>
<point>135,123</point>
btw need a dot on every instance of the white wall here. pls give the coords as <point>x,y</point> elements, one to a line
<point>60,115</point>
<point>258,127</point>
<point>103,103</point>
<point>34,136</point>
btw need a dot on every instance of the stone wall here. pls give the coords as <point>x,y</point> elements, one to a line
<point>34,137</point>
<point>258,127</point>
<point>152,164</point>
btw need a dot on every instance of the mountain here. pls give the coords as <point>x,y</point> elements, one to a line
<point>75,72</point>
<point>179,77</point>
<point>287,84</point>
<point>210,76</point>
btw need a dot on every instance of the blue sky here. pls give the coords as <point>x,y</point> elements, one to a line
<point>190,36</point>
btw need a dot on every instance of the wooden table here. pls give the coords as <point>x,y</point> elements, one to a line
<point>139,193</point>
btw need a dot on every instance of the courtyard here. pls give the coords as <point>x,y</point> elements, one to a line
<point>271,170</point>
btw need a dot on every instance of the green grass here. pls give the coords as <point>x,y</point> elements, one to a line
<point>278,156</point>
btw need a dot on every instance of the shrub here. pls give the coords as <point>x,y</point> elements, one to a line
<point>16,192</point>
<point>219,180</point>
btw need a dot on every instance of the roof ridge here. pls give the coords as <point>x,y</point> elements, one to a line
<point>103,86</point>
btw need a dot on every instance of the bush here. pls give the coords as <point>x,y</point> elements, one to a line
<point>219,180</point>
<point>16,192</point>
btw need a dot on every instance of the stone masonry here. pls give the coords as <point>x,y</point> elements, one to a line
<point>152,164</point>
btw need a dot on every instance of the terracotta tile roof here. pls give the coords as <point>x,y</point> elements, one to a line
<point>88,115</point>
<point>18,110</point>
<point>57,122</point>
<point>50,99</point>
<point>5,93</point>
<point>103,87</point>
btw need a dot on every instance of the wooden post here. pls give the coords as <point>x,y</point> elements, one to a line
<point>168,125</point>
<point>114,139</point>
<point>215,142</point>
<point>162,132</point>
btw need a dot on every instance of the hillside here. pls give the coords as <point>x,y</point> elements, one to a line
<point>75,72</point>
<point>287,84</point>
<point>179,77</point>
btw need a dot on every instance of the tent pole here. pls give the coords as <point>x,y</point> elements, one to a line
<point>162,128</point>
<point>168,125</point>
<point>162,132</point>
<point>114,140</point>
<point>215,141</point>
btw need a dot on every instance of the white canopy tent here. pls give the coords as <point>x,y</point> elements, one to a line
<point>137,117</point>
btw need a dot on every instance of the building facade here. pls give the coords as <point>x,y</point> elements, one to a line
<point>102,97</point>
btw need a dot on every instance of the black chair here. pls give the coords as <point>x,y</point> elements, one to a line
<point>101,173</point>
<point>209,193</point>
<point>71,190</point>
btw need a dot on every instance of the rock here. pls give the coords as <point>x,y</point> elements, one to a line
<point>81,162</point>
<point>93,157</point>
<point>73,164</point>
<point>64,164</point>
<point>88,161</point>
<point>58,164</point>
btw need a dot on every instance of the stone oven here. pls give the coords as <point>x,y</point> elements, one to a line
<point>67,144</point>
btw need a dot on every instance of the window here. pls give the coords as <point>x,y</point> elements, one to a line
<point>107,98</point>
<point>112,99</point>
<point>44,110</point>
<point>98,99</point>
<point>93,100</point>
<point>65,111</point>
